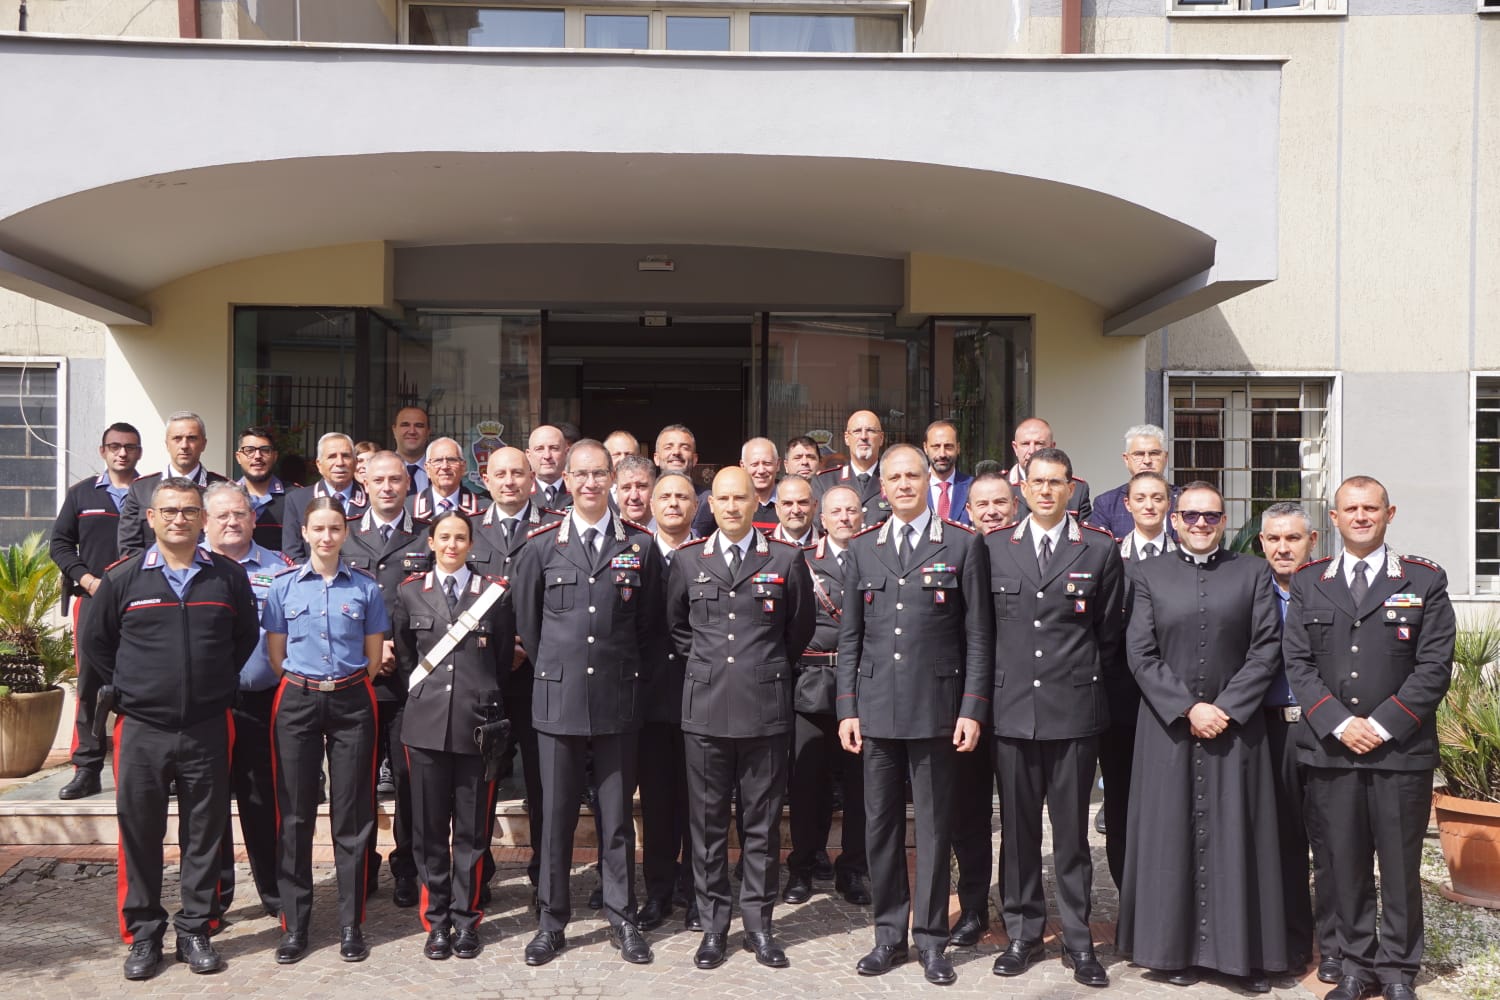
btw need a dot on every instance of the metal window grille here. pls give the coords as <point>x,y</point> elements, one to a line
<point>1487,486</point>
<point>1259,441</point>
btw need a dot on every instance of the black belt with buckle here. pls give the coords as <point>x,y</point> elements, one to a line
<point>324,684</point>
<point>1286,713</point>
<point>812,659</point>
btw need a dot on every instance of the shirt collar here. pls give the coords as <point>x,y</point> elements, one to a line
<point>1055,532</point>
<point>933,481</point>
<point>454,499</point>
<point>195,473</point>
<point>918,523</point>
<point>1139,540</point>
<point>153,559</point>
<point>1375,561</point>
<point>580,525</point>
<point>460,578</point>
<point>831,547</point>
<point>1285,595</point>
<point>307,570</point>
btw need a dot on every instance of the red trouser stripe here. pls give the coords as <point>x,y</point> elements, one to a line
<point>77,669</point>
<point>489,810</point>
<point>122,876</point>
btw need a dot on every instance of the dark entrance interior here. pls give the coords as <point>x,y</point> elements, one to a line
<point>608,372</point>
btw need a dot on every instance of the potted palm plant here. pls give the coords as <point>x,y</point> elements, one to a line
<point>36,655</point>
<point>1468,730</point>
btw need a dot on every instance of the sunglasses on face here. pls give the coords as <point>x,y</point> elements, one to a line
<point>1209,517</point>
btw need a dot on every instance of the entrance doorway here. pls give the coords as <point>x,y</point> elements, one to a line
<point>610,372</point>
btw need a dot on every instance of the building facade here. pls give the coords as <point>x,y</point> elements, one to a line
<point>1271,226</point>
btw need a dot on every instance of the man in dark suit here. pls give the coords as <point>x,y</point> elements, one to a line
<point>256,456</point>
<point>1032,435</point>
<point>914,685</point>
<point>547,451</point>
<point>336,479</point>
<point>1145,451</point>
<point>389,545</point>
<point>588,594</point>
<point>446,469</point>
<point>1059,598</point>
<point>740,608</point>
<point>948,491</point>
<point>412,429</point>
<point>186,439</point>
<point>816,750</point>
<point>1287,539</point>
<point>865,439</point>
<point>499,536</point>
<point>1369,697</point>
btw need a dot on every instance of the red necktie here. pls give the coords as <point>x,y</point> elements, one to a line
<point>943,499</point>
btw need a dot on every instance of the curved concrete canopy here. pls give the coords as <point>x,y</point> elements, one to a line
<point>1099,175</point>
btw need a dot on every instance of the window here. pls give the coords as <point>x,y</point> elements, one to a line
<point>831,26</point>
<point>983,383</point>
<point>30,469</point>
<point>1487,485</point>
<point>1259,439</point>
<point>1257,6</point>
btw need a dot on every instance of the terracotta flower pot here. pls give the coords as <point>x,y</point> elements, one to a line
<point>28,724</point>
<point>1469,831</point>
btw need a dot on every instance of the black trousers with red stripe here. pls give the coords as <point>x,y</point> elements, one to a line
<point>87,751</point>
<point>252,780</point>
<point>389,714</point>
<point>147,759</point>
<point>451,803</point>
<point>306,724</point>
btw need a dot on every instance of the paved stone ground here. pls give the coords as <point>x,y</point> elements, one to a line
<point>59,939</point>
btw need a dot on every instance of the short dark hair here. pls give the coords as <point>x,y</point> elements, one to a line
<point>802,441</point>
<point>119,427</point>
<point>447,515</point>
<point>985,466</point>
<point>1200,484</point>
<point>1148,475</point>
<point>259,431</point>
<point>939,423</point>
<point>586,444</point>
<point>321,503</point>
<point>1358,481</point>
<point>176,484</point>
<point>1054,456</point>
<point>993,475</point>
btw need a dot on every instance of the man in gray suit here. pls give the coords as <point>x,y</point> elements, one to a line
<point>914,672</point>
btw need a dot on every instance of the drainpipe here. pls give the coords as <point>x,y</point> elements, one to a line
<point>1072,27</point>
<point>21,19</point>
<point>187,19</point>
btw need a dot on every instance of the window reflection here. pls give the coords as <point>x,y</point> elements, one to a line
<point>497,27</point>
<point>698,34</point>
<point>617,31</point>
<point>824,33</point>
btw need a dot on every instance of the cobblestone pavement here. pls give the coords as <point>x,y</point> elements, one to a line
<point>59,939</point>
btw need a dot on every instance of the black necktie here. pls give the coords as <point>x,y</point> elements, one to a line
<point>450,592</point>
<point>550,492</point>
<point>411,475</point>
<point>1044,553</point>
<point>864,480</point>
<point>667,556</point>
<point>1360,585</point>
<point>735,558</point>
<point>589,535</point>
<point>385,532</point>
<point>839,556</point>
<point>907,534</point>
<point>1148,550</point>
<point>508,525</point>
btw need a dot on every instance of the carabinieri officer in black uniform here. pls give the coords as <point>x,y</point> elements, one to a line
<point>325,624</point>
<point>452,689</point>
<point>172,627</point>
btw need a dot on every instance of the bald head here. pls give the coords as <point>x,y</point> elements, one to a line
<point>508,477</point>
<point>547,449</point>
<point>1032,435</point>
<point>733,502</point>
<point>864,437</point>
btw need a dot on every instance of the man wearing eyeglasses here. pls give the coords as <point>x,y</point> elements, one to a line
<point>186,439</point>
<point>865,439</point>
<point>447,490</point>
<point>336,468</point>
<point>1203,641</point>
<point>171,630</point>
<point>84,543</point>
<point>1058,592</point>
<point>257,456</point>
<point>1145,451</point>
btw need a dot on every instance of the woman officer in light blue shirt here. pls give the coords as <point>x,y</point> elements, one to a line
<point>325,625</point>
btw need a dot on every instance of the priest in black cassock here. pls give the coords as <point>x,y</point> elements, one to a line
<point>1202,886</point>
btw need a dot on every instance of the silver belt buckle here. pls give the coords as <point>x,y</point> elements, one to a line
<point>326,685</point>
<point>1291,713</point>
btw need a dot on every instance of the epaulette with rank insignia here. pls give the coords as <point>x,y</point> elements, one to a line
<point>1094,527</point>
<point>1313,562</point>
<point>635,524</point>
<point>783,541</point>
<point>1421,561</point>
<point>865,531</point>
<point>286,559</point>
<point>691,543</point>
<point>959,524</point>
<point>115,563</point>
<point>534,532</point>
<point>290,569</point>
<point>361,569</point>
<point>411,579</point>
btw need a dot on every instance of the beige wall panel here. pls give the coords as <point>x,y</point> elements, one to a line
<point>1086,384</point>
<point>972,27</point>
<point>1124,35</point>
<point>1288,324</point>
<point>183,361</point>
<point>1044,35</point>
<point>1408,105</point>
<point>1487,290</point>
<point>137,19</point>
<point>36,328</point>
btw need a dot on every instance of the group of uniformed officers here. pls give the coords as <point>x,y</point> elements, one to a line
<point>888,630</point>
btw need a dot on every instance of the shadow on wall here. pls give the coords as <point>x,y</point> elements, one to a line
<point>1202,342</point>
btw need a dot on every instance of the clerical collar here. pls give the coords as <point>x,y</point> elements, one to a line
<point>1201,560</point>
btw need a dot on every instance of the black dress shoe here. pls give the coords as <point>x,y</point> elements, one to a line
<point>799,888</point>
<point>1256,982</point>
<point>1351,988</point>
<point>1099,820</point>
<point>1018,956</point>
<point>711,952</point>
<point>466,943</point>
<point>1086,967</point>
<point>352,947</point>
<point>199,954</point>
<point>438,946</point>
<point>690,919</point>
<point>1398,991</point>
<point>1330,970</point>
<point>292,948</point>
<point>653,914</point>
<point>822,867</point>
<point>881,959</point>
<point>85,782</point>
<point>143,960</point>
<point>853,887</point>
<point>544,947</point>
<point>596,898</point>
<point>405,894</point>
<point>970,928</point>
<point>628,941</point>
<point>767,951</point>
<point>1181,977</point>
<point>936,968</point>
